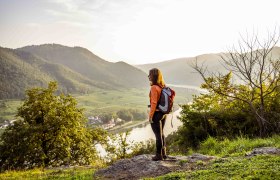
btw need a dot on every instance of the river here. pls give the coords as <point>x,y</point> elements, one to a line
<point>146,133</point>
<point>189,87</point>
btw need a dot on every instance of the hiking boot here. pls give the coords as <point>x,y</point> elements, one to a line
<point>157,157</point>
<point>163,152</point>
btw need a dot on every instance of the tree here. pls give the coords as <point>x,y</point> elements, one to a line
<point>212,114</point>
<point>125,115</point>
<point>119,147</point>
<point>51,132</point>
<point>137,114</point>
<point>253,63</point>
<point>106,117</point>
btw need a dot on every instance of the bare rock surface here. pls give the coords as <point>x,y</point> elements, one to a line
<point>142,166</point>
<point>264,150</point>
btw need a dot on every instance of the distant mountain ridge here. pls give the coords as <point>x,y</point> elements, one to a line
<point>76,69</point>
<point>180,72</point>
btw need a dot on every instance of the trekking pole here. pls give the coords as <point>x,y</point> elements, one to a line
<point>172,117</point>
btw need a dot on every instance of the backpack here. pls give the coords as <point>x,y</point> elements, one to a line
<point>165,103</point>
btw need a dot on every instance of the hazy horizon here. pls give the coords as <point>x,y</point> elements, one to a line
<point>139,31</point>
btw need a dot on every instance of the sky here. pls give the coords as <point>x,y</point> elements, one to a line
<point>137,31</point>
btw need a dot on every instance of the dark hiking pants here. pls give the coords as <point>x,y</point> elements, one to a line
<point>157,126</point>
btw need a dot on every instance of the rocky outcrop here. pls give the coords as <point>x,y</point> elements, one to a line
<point>142,166</point>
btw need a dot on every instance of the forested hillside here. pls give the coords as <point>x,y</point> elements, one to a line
<point>21,70</point>
<point>16,74</point>
<point>83,61</point>
<point>76,70</point>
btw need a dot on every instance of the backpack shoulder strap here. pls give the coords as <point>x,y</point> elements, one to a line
<point>159,95</point>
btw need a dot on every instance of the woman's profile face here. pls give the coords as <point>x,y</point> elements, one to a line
<point>150,78</point>
<point>153,75</point>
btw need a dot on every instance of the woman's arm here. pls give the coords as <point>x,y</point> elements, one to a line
<point>154,97</point>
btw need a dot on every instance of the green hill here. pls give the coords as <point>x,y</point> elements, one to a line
<point>115,75</point>
<point>22,70</point>
<point>76,70</point>
<point>17,75</point>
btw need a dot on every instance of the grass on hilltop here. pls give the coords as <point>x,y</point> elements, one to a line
<point>231,162</point>
<point>44,174</point>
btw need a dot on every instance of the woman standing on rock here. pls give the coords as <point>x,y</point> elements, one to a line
<point>156,117</point>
